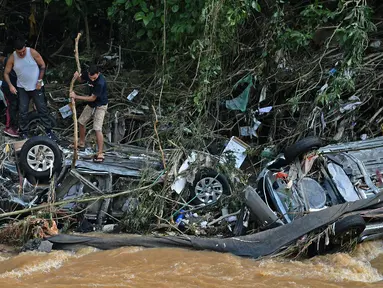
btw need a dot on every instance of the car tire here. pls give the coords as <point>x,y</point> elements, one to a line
<point>40,157</point>
<point>34,120</point>
<point>301,147</point>
<point>202,181</point>
<point>348,228</point>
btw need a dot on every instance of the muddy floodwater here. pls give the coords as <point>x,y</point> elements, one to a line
<point>139,267</point>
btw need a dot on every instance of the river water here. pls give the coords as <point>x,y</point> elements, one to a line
<point>164,267</point>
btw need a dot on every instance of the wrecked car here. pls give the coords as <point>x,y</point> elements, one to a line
<point>34,162</point>
<point>309,177</point>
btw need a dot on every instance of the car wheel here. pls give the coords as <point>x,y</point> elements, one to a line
<point>40,157</point>
<point>348,228</point>
<point>301,147</point>
<point>208,187</point>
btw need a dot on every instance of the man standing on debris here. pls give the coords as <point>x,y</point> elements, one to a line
<point>29,67</point>
<point>97,105</point>
<point>11,113</point>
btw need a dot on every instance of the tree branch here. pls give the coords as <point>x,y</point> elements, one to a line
<point>75,136</point>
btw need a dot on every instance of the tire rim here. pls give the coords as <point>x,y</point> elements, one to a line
<point>40,158</point>
<point>208,190</point>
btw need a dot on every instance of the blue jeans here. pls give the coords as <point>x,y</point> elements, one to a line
<point>41,106</point>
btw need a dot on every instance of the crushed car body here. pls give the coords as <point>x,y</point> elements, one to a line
<point>30,165</point>
<point>308,177</point>
<point>332,191</point>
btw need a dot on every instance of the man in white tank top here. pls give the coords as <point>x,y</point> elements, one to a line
<point>30,68</point>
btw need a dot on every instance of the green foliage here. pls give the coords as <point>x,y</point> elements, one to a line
<point>352,24</point>
<point>353,34</point>
<point>341,83</point>
<point>316,14</point>
<point>196,29</point>
<point>181,17</point>
<point>294,39</point>
<point>68,2</point>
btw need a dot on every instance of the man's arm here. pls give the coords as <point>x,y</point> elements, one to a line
<point>7,70</point>
<point>92,98</point>
<point>79,77</point>
<point>40,62</point>
<point>84,98</point>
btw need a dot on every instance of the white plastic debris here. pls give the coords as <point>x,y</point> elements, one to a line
<point>65,111</point>
<point>244,131</point>
<point>231,219</point>
<point>375,44</point>
<point>349,107</point>
<point>110,57</point>
<point>265,110</point>
<point>132,95</point>
<point>323,88</point>
<point>262,97</point>
<point>180,182</point>
<point>237,148</point>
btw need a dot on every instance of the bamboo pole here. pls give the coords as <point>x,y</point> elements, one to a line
<point>75,136</point>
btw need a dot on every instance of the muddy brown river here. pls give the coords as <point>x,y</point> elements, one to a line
<point>163,267</point>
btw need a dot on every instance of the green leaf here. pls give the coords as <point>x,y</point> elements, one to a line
<point>175,8</point>
<point>48,1</point>
<point>144,7</point>
<point>120,1</point>
<point>150,16</point>
<point>110,11</point>
<point>69,2</point>
<point>256,6</point>
<point>139,16</point>
<point>140,33</point>
<point>128,4</point>
<point>146,21</point>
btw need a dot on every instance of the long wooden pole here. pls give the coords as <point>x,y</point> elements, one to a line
<point>75,132</point>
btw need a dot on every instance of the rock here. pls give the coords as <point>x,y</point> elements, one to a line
<point>32,245</point>
<point>37,245</point>
<point>109,228</point>
<point>45,246</point>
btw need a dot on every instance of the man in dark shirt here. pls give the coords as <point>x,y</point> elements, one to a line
<point>12,103</point>
<point>97,105</point>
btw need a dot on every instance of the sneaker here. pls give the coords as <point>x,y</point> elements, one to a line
<point>52,136</point>
<point>11,132</point>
